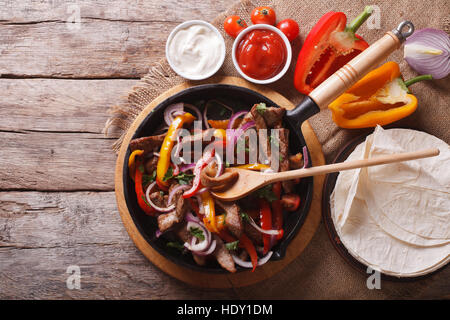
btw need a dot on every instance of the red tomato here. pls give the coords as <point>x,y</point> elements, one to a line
<point>233,25</point>
<point>289,27</point>
<point>264,15</point>
<point>261,54</point>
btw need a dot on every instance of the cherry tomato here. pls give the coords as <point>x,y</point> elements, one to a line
<point>264,15</point>
<point>233,25</point>
<point>289,27</point>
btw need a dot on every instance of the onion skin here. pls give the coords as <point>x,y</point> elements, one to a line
<point>427,51</point>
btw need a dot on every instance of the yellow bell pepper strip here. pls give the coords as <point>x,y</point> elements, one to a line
<point>218,124</point>
<point>209,211</point>
<point>220,134</point>
<point>220,222</point>
<point>140,194</point>
<point>167,146</point>
<point>380,98</point>
<point>132,161</point>
<point>254,166</point>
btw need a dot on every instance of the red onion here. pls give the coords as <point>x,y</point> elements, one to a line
<point>191,218</point>
<point>156,154</point>
<point>175,190</point>
<point>248,264</point>
<point>187,167</point>
<point>158,233</point>
<point>305,157</point>
<point>204,244</point>
<point>428,52</point>
<point>147,196</point>
<point>208,251</point>
<point>195,109</point>
<point>200,204</point>
<point>269,232</point>
<point>234,117</point>
<point>168,118</point>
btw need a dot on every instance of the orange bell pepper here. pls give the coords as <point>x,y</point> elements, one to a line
<point>132,162</point>
<point>167,146</point>
<point>380,98</point>
<point>254,166</point>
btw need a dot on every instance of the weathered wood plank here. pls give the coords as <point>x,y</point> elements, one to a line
<point>63,161</point>
<point>42,234</point>
<point>58,105</point>
<point>26,11</point>
<point>118,39</point>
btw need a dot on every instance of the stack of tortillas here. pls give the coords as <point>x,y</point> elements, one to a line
<point>395,218</point>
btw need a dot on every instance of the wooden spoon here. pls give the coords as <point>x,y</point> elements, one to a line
<point>249,181</point>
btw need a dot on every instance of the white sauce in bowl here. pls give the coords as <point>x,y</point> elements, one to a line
<point>195,50</point>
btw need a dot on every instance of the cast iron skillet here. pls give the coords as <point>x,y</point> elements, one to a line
<point>241,99</point>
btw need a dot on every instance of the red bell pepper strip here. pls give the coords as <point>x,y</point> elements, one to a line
<point>277,210</point>
<point>250,248</point>
<point>203,162</point>
<point>328,47</point>
<point>140,192</point>
<point>290,201</point>
<point>265,214</point>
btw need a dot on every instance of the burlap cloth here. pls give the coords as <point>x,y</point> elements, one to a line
<point>320,272</point>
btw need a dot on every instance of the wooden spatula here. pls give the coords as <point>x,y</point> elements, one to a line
<point>249,181</point>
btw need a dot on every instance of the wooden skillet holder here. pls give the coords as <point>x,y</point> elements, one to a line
<point>320,97</point>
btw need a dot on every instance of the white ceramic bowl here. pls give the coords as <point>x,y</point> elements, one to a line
<point>187,24</point>
<point>264,27</point>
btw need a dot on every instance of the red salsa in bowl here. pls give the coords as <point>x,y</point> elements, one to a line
<point>261,54</point>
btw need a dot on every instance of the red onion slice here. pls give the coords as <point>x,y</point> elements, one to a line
<point>269,232</point>
<point>195,109</point>
<point>175,190</point>
<point>248,264</point>
<point>168,117</point>
<point>157,208</point>
<point>234,117</point>
<point>201,246</point>
<point>210,250</point>
<point>187,167</point>
<point>191,218</point>
<point>428,52</point>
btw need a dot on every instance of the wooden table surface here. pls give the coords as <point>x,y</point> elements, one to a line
<point>57,203</point>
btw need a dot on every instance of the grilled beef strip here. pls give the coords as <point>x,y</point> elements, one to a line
<point>150,165</point>
<point>253,234</point>
<point>233,219</point>
<point>168,220</point>
<point>148,144</point>
<point>273,117</point>
<point>288,185</point>
<point>223,256</point>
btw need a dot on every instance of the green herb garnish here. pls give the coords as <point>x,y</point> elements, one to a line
<point>232,245</point>
<point>146,202</point>
<point>198,233</point>
<point>141,168</point>
<point>261,108</point>
<point>245,216</point>
<point>267,193</point>
<point>146,178</point>
<point>175,245</point>
<point>184,178</point>
<point>169,174</point>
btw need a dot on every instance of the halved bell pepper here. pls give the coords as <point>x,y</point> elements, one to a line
<point>167,146</point>
<point>328,47</point>
<point>380,98</point>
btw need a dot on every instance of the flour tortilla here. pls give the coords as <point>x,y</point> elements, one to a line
<point>372,238</point>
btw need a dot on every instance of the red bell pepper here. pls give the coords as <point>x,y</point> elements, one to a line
<point>328,47</point>
<point>290,201</point>
<point>250,248</point>
<point>277,210</point>
<point>266,221</point>
<point>140,191</point>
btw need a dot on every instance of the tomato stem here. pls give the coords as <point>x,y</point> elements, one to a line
<point>417,79</point>
<point>359,20</point>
